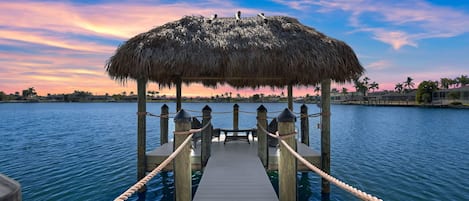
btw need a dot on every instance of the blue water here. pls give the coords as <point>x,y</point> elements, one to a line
<point>87,151</point>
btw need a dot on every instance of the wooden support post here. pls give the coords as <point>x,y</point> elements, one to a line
<point>287,162</point>
<point>290,97</point>
<point>326,134</point>
<point>141,130</point>
<point>164,123</point>
<point>182,162</point>
<point>206,135</point>
<point>304,125</point>
<point>262,148</point>
<point>235,118</point>
<point>178,94</point>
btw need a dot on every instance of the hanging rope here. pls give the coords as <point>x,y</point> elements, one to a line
<point>310,115</point>
<point>144,181</point>
<point>358,193</point>
<point>191,131</point>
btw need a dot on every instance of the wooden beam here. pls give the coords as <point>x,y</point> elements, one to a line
<point>290,97</point>
<point>178,94</point>
<point>141,129</point>
<point>326,134</point>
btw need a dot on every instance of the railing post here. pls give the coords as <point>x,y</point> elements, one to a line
<point>206,135</point>
<point>262,149</point>
<point>325,134</point>
<point>304,125</point>
<point>182,162</point>
<point>141,130</point>
<point>164,122</point>
<point>287,162</point>
<point>235,118</point>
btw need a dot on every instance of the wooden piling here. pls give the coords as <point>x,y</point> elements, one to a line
<point>206,135</point>
<point>287,162</point>
<point>290,97</point>
<point>164,122</point>
<point>262,148</point>
<point>304,125</point>
<point>182,162</point>
<point>325,134</point>
<point>178,94</point>
<point>235,118</point>
<point>141,130</point>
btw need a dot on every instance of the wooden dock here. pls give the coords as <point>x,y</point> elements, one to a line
<point>234,172</point>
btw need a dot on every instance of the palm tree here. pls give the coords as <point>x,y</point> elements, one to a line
<point>409,84</point>
<point>445,83</point>
<point>463,80</point>
<point>374,86</point>
<point>317,89</point>
<point>399,88</point>
<point>344,91</point>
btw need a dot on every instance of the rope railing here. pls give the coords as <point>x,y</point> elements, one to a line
<point>154,172</point>
<point>356,192</point>
<point>191,131</point>
<point>143,181</point>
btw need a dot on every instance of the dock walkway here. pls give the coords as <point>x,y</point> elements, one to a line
<point>234,172</point>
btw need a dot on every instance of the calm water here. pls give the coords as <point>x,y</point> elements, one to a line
<point>87,151</point>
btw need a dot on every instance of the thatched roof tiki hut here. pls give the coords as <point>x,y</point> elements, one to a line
<point>274,51</point>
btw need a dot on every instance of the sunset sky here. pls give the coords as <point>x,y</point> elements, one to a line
<point>62,46</point>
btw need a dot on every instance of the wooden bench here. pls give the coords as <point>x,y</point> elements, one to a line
<point>237,137</point>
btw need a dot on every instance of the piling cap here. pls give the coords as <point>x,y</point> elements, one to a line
<point>236,105</point>
<point>182,116</point>
<point>207,108</point>
<point>164,106</point>
<point>304,108</point>
<point>262,108</point>
<point>286,116</point>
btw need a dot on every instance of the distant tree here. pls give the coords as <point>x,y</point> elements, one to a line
<point>462,80</point>
<point>409,84</point>
<point>399,88</point>
<point>238,95</point>
<point>282,94</point>
<point>124,93</point>
<point>425,91</point>
<point>374,86</point>
<point>29,92</point>
<point>317,89</point>
<point>3,96</point>
<point>445,83</point>
<point>344,91</point>
<point>334,90</point>
<point>255,97</point>
<point>361,86</point>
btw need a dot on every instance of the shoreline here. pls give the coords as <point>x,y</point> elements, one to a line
<point>399,104</point>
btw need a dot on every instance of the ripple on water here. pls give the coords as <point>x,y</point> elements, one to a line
<point>87,151</point>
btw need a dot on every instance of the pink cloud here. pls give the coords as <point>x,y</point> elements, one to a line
<point>420,19</point>
<point>379,65</point>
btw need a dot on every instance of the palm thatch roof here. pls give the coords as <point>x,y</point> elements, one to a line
<point>247,52</point>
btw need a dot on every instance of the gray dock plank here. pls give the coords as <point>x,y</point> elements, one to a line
<point>234,172</point>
